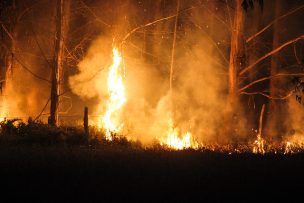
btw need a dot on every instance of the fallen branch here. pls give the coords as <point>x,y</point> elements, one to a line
<point>271,23</point>
<point>271,53</point>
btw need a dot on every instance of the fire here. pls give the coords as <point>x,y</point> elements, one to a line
<point>110,121</point>
<point>174,141</point>
<point>288,148</point>
<point>258,147</point>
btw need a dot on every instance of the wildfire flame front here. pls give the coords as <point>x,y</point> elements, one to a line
<point>110,121</point>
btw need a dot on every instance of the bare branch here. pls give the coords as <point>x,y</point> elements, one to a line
<point>270,24</point>
<point>269,77</point>
<point>296,55</point>
<point>40,48</point>
<point>271,53</point>
<point>154,22</point>
<point>214,43</point>
<point>38,116</point>
<point>268,96</point>
<point>7,32</point>
<point>146,25</point>
<point>94,14</point>
<point>24,66</point>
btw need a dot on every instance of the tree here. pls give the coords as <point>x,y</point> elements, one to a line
<point>62,6</point>
<point>274,106</point>
<point>237,52</point>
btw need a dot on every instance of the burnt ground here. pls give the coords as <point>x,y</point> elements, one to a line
<point>81,173</point>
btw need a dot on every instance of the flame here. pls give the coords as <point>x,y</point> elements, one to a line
<point>110,121</point>
<point>258,147</point>
<point>174,141</point>
<point>288,148</point>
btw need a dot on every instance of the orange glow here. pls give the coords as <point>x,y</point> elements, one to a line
<point>258,147</point>
<point>110,121</point>
<point>173,139</point>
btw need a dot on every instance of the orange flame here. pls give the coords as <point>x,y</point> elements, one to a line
<point>173,139</point>
<point>110,121</point>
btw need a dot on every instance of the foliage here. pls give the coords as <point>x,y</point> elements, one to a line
<point>15,131</point>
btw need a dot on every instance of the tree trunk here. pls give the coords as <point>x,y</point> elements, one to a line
<point>237,55</point>
<point>253,55</point>
<point>274,106</point>
<point>61,28</point>
<point>235,64</point>
<point>9,38</point>
<point>86,121</point>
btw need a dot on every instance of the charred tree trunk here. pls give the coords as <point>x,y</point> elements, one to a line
<point>86,121</point>
<point>253,55</point>
<point>274,106</point>
<point>9,36</point>
<point>62,6</point>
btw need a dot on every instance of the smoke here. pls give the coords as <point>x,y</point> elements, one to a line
<point>25,94</point>
<point>198,96</point>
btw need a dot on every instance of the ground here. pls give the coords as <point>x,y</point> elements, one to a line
<point>83,173</point>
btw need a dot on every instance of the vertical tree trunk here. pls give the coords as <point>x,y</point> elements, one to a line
<point>61,28</point>
<point>86,121</point>
<point>157,38</point>
<point>274,106</point>
<point>253,55</point>
<point>235,64</point>
<point>9,38</point>
<point>237,52</point>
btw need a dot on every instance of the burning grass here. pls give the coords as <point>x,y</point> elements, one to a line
<point>15,132</point>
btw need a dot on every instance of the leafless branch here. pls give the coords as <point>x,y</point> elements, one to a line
<point>269,77</point>
<point>154,22</point>
<point>275,20</point>
<point>295,53</point>
<point>94,14</point>
<point>38,116</point>
<point>268,96</point>
<point>271,53</point>
<point>7,32</point>
<point>23,65</point>
<point>214,43</point>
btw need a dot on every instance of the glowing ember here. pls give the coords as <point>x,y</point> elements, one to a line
<point>174,141</point>
<point>111,119</point>
<point>259,143</point>
<point>258,147</point>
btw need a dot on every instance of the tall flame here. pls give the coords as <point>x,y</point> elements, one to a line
<point>110,121</point>
<point>175,141</point>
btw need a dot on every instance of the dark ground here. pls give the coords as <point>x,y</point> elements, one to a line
<point>80,173</point>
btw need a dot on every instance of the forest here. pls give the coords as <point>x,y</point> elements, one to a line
<point>184,74</point>
<point>149,96</point>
